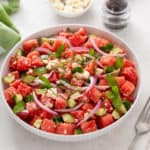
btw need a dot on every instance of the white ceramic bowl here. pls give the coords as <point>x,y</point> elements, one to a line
<point>51,31</point>
<point>71,14</point>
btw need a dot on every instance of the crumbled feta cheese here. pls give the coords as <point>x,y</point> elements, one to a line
<point>84,75</point>
<point>52,64</point>
<point>45,61</point>
<point>74,65</point>
<point>78,58</point>
<point>52,93</point>
<point>70,5</point>
<point>37,123</point>
<point>98,71</point>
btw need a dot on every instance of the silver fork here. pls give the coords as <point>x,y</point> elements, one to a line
<point>142,125</point>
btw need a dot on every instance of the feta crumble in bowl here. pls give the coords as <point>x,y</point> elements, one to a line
<point>71,8</point>
<point>70,84</point>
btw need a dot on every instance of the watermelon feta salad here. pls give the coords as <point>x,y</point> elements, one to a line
<point>70,83</point>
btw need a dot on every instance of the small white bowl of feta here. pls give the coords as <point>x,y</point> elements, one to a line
<point>71,8</point>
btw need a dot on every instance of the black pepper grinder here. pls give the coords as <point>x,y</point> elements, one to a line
<point>116,13</point>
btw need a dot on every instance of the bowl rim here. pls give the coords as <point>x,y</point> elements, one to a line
<point>72,14</point>
<point>70,138</point>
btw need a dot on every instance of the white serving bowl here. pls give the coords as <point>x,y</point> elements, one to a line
<point>71,14</point>
<point>57,137</point>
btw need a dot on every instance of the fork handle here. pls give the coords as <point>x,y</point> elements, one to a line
<point>131,146</point>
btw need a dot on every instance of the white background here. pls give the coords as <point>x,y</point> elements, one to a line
<point>37,14</point>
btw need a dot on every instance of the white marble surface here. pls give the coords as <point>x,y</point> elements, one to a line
<point>35,15</point>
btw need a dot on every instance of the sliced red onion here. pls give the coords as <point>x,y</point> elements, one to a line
<point>69,109</point>
<point>92,112</point>
<point>42,106</point>
<point>102,87</point>
<point>92,83</point>
<point>70,86</point>
<point>43,50</point>
<point>118,55</point>
<point>64,39</point>
<point>102,52</point>
<point>79,49</point>
<point>99,64</point>
<point>50,74</point>
<point>96,47</point>
<point>36,82</point>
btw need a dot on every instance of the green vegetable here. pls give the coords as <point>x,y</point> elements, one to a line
<point>28,78</point>
<point>39,71</point>
<point>20,106</point>
<point>111,80</point>
<point>127,104</point>
<point>85,60</point>
<point>9,78</point>
<point>50,40</point>
<point>29,98</point>
<point>100,112</point>
<point>77,69</point>
<point>11,6</point>
<point>119,63</point>
<point>4,18</point>
<point>78,131</point>
<point>72,103</point>
<point>58,119</point>
<point>122,109</point>
<point>114,95</point>
<point>107,47</point>
<point>78,58</point>
<point>91,52</point>
<point>116,115</point>
<point>37,124</point>
<point>18,98</point>
<point>40,91</point>
<point>68,118</point>
<point>8,37</point>
<point>115,50</point>
<point>59,51</point>
<point>109,69</point>
<point>45,82</point>
<point>20,52</point>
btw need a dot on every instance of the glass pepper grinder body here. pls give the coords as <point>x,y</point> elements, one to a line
<point>116,13</point>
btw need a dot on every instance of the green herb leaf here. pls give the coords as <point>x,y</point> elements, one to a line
<point>29,98</point>
<point>107,47</point>
<point>115,50</point>
<point>20,106</point>
<point>114,95</point>
<point>57,119</point>
<point>78,131</point>
<point>28,78</point>
<point>77,69</point>
<point>109,69</point>
<point>45,82</point>
<point>91,52</point>
<point>39,71</point>
<point>59,51</point>
<point>119,63</point>
<point>127,104</point>
<point>111,80</point>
